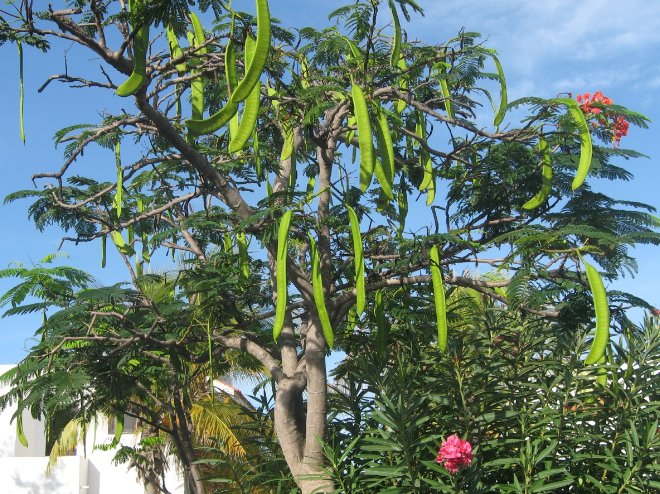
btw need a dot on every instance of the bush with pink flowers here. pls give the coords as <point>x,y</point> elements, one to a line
<point>454,454</point>
<point>509,408</point>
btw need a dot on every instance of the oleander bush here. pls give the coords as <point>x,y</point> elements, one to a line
<point>517,389</point>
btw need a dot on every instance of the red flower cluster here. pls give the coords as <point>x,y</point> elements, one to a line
<point>655,312</point>
<point>603,117</point>
<point>454,454</point>
<point>585,102</point>
<point>620,128</point>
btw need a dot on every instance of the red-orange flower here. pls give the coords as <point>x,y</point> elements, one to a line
<point>620,128</point>
<point>602,116</point>
<point>599,97</point>
<point>586,102</point>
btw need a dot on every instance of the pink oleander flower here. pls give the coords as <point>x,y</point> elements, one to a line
<point>454,454</point>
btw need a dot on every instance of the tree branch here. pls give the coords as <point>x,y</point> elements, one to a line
<point>261,354</point>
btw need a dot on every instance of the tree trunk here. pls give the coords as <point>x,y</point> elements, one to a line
<point>151,468</point>
<point>183,441</point>
<point>299,433</point>
<point>150,488</point>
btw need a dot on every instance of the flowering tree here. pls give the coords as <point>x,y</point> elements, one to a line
<point>283,168</point>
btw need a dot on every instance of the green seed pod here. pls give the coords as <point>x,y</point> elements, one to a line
<point>103,251</point>
<point>439,297</point>
<point>246,85</point>
<point>121,245</point>
<point>251,108</point>
<point>358,255</point>
<point>20,434</point>
<point>118,200</point>
<point>175,50</point>
<point>602,309</point>
<point>140,46</point>
<point>384,167</point>
<point>196,39</point>
<point>395,54</point>
<point>503,93</point>
<point>382,325</point>
<point>319,296</point>
<point>280,273</point>
<point>21,92</point>
<point>258,61</point>
<point>546,173</point>
<point>243,255</point>
<point>586,147</point>
<point>364,136</point>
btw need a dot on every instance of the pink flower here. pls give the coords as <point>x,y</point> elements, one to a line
<point>454,454</point>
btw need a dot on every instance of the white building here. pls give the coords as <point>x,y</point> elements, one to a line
<point>23,469</point>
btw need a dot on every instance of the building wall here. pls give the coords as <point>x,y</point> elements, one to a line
<point>90,471</point>
<point>27,475</point>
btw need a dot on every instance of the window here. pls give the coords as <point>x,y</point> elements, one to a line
<point>129,424</point>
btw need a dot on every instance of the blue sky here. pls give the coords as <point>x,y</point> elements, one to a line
<point>546,48</point>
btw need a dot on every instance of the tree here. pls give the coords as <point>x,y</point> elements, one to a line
<point>120,366</point>
<point>276,165</point>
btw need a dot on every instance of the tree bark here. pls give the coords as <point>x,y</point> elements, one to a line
<point>317,391</point>
<point>192,473</point>
<point>299,431</point>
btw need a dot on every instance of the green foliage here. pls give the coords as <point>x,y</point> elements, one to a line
<point>517,390</point>
<point>446,186</point>
<point>114,351</point>
<point>53,286</point>
<point>262,469</point>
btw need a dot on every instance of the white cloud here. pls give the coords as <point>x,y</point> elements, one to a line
<point>588,43</point>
